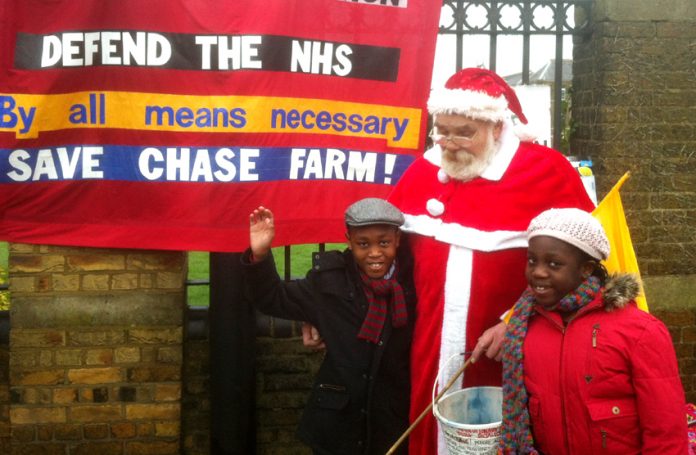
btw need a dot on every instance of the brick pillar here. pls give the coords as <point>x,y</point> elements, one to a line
<point>95,350</point>
<point>634,92</point>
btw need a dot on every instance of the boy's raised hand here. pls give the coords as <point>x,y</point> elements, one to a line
<point>261,232</point>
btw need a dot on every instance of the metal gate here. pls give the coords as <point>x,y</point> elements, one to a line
<point>513,25</point>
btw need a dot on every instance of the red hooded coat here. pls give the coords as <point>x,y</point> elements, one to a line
<point>606,383</point>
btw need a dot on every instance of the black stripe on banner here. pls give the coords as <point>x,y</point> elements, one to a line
<point>180,51</point>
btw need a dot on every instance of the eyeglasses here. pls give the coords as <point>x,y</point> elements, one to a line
<point>460,141</point>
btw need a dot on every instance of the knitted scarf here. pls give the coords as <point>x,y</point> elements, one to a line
<point>377,293</point>
<point>516,438</point>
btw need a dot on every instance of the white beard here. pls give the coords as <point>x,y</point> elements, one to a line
<point>463,166</point>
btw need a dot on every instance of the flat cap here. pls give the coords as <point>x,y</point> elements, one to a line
<point>373,210</point>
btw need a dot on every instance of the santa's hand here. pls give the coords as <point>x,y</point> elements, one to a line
<point>311,337</point>
<point>491,343</point>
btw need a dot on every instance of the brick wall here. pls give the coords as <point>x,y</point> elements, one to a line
<point>634,109</point>
<point>672,299</point>
<point>195,401</point>
<point>284,374</point>
<point>4,385</point>
<point>285,370</point>
<point>95,350</point>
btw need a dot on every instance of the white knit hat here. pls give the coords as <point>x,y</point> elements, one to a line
<point>573,226</point>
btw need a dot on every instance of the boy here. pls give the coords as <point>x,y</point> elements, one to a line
<point>362,302</point>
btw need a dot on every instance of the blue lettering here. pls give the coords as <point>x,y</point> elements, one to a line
<point>238,117</point>
<point>355,125</point>
<point>339,121</point>
<point>305,124</point>
<point>184,117</point>
<point>222,114</point>
<point>8,119</point>
<point>293,119</point>
<point>202,118</point>
<point>323,120</point>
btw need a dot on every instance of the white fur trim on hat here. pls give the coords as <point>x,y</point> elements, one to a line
<point>525,133</point>
<point>573,226</point>
<point>474,104</point>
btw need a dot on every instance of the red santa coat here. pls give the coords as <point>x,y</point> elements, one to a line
<point>470,260</point>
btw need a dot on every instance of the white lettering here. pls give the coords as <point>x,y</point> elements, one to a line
<point>344,64</point>
<point>108,48</point>
<point>146,169</point>
<point>178,161</point>
<point>206,43</point>
<point>313,167</point>
<point>111,48</point>
<point>246,166</point>
<point>201,167</point>
<point>71,50</point>
<point>223,158</point>
<point>90,163</point>
<point>22,171</point>
<point>159,49</point>
<point>361,169</point>
<point>51,51</point>
<point>296,162</point>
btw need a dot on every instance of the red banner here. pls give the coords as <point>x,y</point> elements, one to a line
<point>161,124</point>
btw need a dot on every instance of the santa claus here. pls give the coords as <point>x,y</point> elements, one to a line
<point>467,203</point>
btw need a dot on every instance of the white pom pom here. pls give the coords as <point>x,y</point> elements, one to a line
<point>525,133</point>
<point>442,176</point>
<point>435,207</point>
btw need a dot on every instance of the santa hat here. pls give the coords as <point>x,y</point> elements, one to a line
<point>480,94</point>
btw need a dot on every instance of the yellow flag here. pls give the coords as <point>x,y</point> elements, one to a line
<point>622,258</point>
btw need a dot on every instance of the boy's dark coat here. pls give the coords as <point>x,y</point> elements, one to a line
<point>360,398</point>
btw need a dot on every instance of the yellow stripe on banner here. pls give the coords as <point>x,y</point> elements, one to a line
<point>29,115</point>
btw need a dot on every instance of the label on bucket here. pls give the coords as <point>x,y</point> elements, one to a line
<point>465,442</point>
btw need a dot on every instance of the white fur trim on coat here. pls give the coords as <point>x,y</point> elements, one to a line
<point>453,336</point>
<point>463,236</point>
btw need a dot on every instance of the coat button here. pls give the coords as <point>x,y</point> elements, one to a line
<point>380,343</point>
<point>615,410</point>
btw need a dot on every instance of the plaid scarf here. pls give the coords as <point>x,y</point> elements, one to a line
<point>377,293</point>
<point>516,438</point>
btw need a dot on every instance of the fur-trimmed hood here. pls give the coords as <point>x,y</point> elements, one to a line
<point>620,289</point>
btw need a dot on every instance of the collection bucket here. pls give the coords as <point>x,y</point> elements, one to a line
<point>471,420</point>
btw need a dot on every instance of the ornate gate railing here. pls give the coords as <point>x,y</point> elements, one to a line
<point>522,18</point>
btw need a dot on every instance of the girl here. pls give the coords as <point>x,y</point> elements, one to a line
<point>584,370</point>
